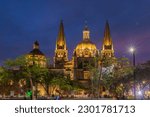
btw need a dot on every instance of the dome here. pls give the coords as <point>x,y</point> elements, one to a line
<point>86,44</point>
<point>36,52</point>
<point>86,49</point>
<point>36,56</point>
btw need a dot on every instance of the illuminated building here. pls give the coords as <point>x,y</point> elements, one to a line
<point>107,47</point>
<point>84,55</point>
<point>61,52</point>
<point>36,56</point>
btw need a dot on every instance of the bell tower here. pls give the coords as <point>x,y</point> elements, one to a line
<point>61,51</point>
<point>107,47</point>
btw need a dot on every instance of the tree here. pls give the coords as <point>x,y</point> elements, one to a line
<point>95,76</point>
<point>4,82</point>
<point>61,84</point>
<point>47,79</point>
<point>19,70</point>
<point>115,75</point>
<point>142,77</point>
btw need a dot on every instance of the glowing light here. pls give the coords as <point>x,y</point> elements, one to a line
<point>29,93</point>
<point>132,49</point>
<point>139,93</point>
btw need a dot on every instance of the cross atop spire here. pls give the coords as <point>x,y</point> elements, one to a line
<point>86,25</point>
<point>36,45</point>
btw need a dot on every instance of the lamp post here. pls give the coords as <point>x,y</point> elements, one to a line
<point>132,50</point>
<point>100,77</point>
<point>92,88</point>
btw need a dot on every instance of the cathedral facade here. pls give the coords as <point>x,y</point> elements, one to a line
<point>84,54</point>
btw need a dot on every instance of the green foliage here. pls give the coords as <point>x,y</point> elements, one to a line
<point>19,71</point>
<point>64,83</point>
<point>121,75</point>
<point>116,80</point>
<point>142,72</point>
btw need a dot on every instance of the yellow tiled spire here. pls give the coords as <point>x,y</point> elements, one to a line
<point>107,48</point>
<point>61,41</point>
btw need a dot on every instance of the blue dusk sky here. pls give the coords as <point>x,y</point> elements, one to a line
<point>24,21</point>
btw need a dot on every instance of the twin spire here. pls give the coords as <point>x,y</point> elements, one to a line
<point>107,36</point>
<point>61,41</point>
<point>61,52</point>
<point>107,48</point>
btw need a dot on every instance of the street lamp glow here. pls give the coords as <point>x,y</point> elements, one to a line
<point>139,92</point>
<point>132,49</point>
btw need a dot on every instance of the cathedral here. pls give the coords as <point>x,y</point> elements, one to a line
<point>84,54</point>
